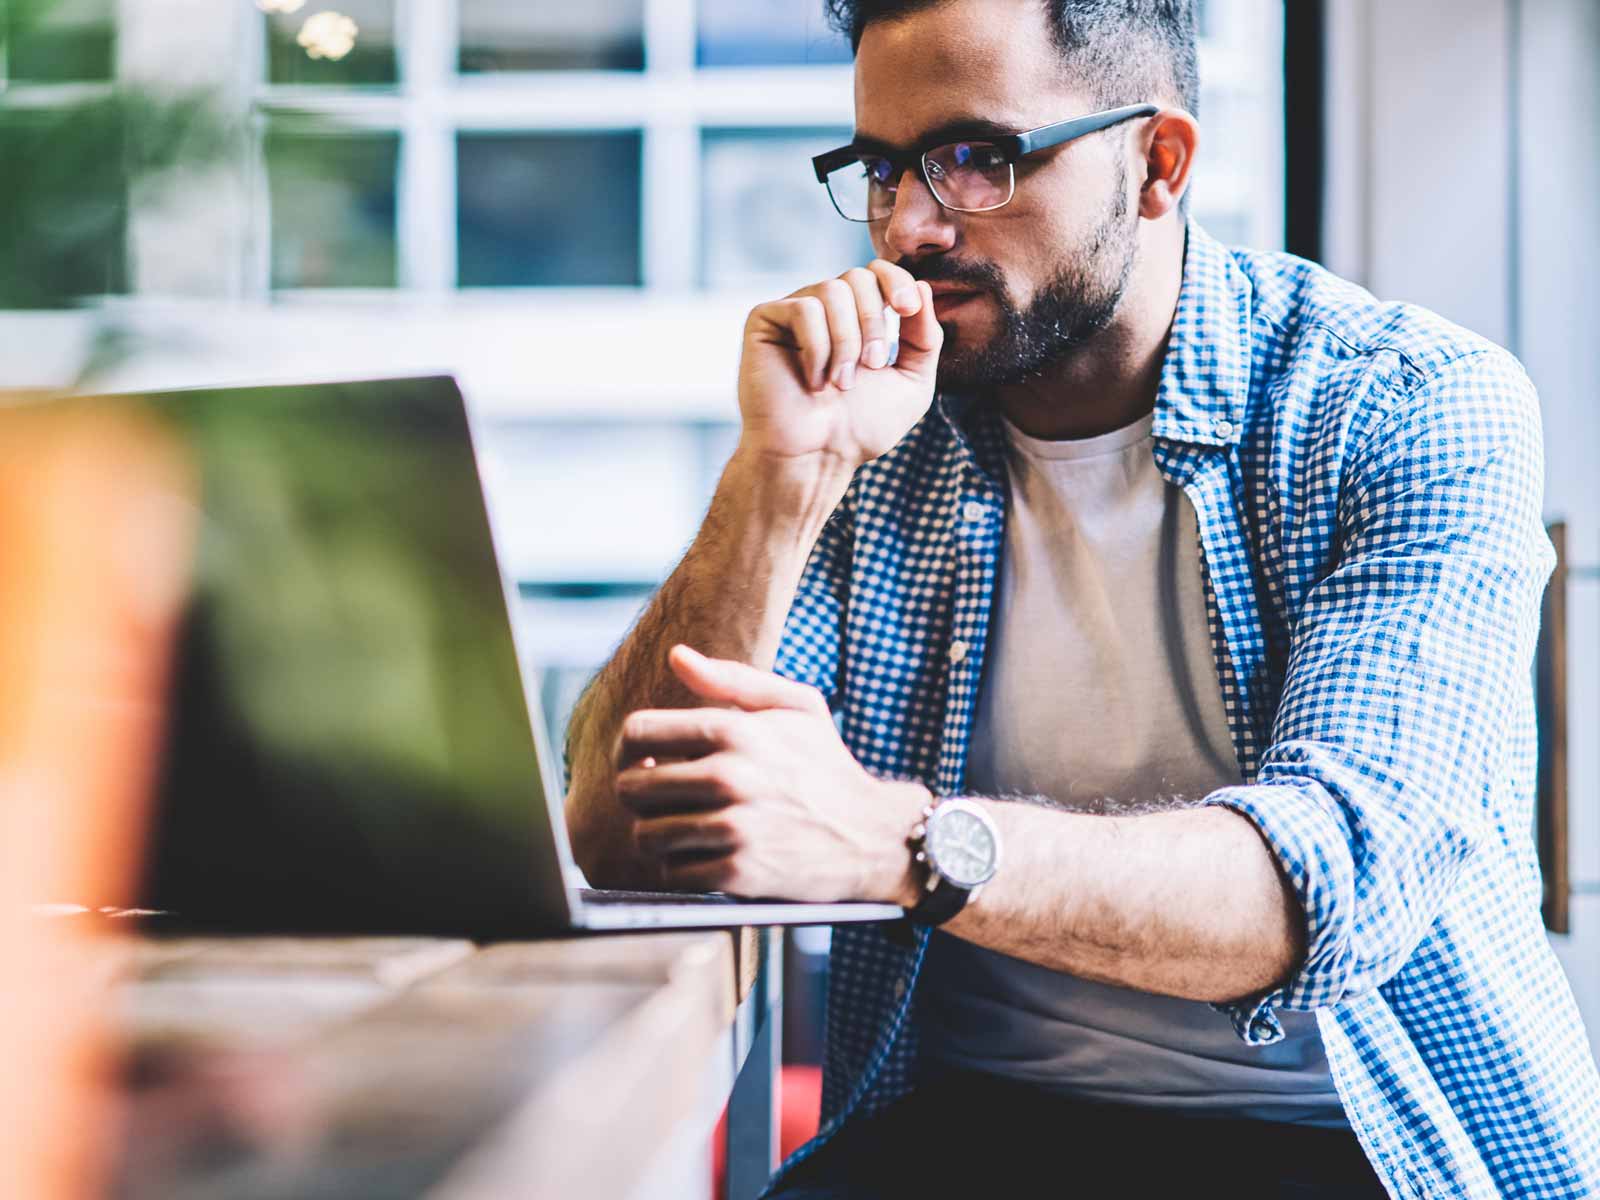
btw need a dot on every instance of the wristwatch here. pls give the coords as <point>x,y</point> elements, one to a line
<point>958,843</point>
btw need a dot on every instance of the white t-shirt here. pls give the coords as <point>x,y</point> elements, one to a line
<point>1100,693</point>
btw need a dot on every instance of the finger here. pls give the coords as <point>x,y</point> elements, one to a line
<point>699,783</point>
<point>844,331</point>
<point>921,336</point>
<point>674,733</point>
<point>869,314</point>
<point>723,681</point>
<point>801,323</point>
<point>898,286</point>
<point>679,833</point>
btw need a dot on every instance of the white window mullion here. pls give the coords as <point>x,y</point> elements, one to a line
<point>427,184</point>
<point>670,197</point>
<point>669,37</point>
<point>670,170</point>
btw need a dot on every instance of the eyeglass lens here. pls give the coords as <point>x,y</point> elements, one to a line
<point>966,176</point>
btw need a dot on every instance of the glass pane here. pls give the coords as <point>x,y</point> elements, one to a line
<point>64,206</point>
<point>59,41</point>
<point>333,208</point>
<point>747,32</point>
<point>513,35</point>
<point>768,223</point>
<point>557,209</point>
<point>353,44</point>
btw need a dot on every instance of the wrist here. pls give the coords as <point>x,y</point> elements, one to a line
<point>796,491</point>
<point>895,877</point>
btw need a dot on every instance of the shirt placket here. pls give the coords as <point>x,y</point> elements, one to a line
<point>1238,641</point>
<point>977,532</point>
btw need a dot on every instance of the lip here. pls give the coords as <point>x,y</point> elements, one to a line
<point>945,299</point>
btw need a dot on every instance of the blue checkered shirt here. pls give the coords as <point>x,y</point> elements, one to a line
<point>1367,479</point>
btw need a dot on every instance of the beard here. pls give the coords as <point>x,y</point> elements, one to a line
<point>1077,303</point>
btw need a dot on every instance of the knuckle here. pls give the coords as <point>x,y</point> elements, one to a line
<point>729,830</point>
<point>809,306</point>
<point>838,291</point>
<point>721,782</point>
<point>716,727</point>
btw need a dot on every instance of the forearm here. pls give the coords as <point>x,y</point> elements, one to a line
<point>728,598</point>
<point>1187,902</point>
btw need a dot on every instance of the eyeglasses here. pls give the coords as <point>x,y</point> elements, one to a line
<point>971,175</point>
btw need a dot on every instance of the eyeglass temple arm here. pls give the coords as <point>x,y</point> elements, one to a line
<point>1064,131</point>
<point>1020,143</point>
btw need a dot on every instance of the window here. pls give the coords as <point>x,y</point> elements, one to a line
<point>765,33</point>
<point>548,208</point>
<point>766,224</point>
<point>350,44</point>
<point>333,208</point>
<point>514,35</point>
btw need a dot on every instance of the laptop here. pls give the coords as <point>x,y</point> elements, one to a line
<point>352,745</point>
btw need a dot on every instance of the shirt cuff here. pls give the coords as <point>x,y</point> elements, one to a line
<point>1312,846</point>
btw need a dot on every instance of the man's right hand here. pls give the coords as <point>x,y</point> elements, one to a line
<point>816,393</point>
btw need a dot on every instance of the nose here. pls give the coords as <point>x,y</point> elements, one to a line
<point>918,224</point>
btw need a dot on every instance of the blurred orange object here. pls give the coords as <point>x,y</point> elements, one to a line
<point>96,525</point>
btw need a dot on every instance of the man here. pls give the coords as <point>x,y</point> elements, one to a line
<point>1210,582</point>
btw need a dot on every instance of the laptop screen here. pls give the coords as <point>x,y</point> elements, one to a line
<point>349,744</point>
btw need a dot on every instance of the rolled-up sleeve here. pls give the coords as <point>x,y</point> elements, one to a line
<point>1409,664</point>
<point>810,650</point>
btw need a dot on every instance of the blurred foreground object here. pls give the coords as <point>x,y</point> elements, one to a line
<point>95,530</point>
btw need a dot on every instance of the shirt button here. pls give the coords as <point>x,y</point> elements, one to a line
<point>1223,427</point>
<point>958,651</point>
<point>899,989</point>
<point>973,511</point>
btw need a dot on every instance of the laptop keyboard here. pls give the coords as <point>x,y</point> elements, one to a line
<point>592,896</point>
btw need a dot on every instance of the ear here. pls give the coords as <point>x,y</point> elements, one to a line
<point>1168,142</point>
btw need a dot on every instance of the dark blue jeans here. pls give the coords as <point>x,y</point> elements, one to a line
<point>975,1137</point>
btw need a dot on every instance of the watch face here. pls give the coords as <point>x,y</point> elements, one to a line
<point>961,847</point>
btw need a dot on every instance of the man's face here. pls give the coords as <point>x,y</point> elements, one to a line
<point>1046,272</point>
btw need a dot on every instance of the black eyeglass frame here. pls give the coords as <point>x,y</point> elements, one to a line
<point>1012,146</point>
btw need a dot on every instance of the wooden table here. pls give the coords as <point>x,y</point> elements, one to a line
<point>377,1067</point>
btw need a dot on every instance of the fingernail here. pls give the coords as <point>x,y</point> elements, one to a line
<point>847,377</point>
<point>877,354</point>
<point>906,298</point>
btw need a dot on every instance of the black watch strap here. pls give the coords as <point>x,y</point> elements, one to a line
<point>938,906</point>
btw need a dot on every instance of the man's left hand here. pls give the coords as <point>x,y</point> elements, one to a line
<point>763,798</point>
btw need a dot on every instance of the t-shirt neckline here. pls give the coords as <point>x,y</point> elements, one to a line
<point>1080,448</point>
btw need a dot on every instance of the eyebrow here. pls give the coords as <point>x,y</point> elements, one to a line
<point>951,130</point>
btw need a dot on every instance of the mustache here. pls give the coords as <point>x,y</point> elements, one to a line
<point>979,275</point>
